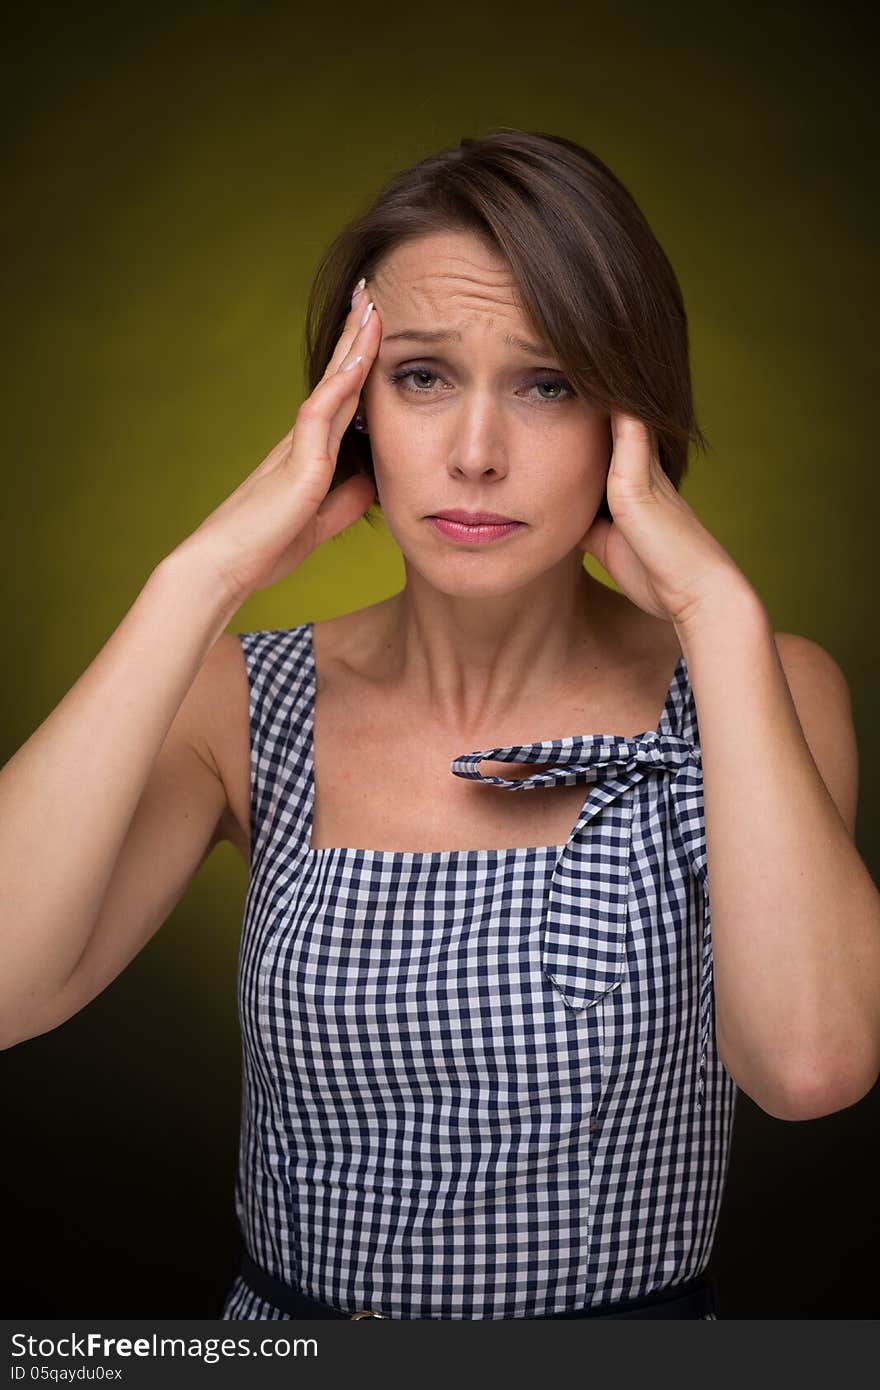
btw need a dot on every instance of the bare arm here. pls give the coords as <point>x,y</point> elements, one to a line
<point>111,805</point>
<point>70,794</point>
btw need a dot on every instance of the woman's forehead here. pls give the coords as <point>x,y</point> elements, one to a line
<point>441,267</point>
<point>443,294</point>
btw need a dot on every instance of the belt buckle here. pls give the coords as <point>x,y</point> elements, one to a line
<point>365,1313</point>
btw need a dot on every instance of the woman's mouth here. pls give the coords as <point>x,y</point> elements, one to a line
<point>474,534</point>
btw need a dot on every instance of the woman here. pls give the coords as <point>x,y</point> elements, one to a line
<point>491,1042</point>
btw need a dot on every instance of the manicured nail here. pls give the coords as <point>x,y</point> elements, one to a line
<point>358,291</point>
<point>366,314</point>
<point>349,366</point>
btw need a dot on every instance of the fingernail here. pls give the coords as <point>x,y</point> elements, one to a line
<point>358,291</point>
<point>350,366</point>
<point>366,314</point>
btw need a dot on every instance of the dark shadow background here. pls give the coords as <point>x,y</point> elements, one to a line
<point>173,176</point>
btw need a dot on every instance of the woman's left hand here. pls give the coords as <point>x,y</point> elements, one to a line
<point>656,549</point>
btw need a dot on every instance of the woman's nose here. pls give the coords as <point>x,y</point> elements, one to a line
<point>478,443</point>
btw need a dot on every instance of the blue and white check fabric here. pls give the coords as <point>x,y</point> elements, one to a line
<point>588,901</point>
<point>479,1083</point>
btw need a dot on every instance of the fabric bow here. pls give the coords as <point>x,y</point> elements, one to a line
<point>584,936</point>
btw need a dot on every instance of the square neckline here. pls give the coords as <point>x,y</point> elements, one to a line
<point>441,856</point>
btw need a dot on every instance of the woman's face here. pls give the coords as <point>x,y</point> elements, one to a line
<point>475,422</point>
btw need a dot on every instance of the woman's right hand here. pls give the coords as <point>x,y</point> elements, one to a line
<point>282,511</point>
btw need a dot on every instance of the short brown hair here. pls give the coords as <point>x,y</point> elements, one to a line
<point>593,280</point>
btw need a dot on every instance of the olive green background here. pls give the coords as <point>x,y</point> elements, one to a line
<point>173,178</point>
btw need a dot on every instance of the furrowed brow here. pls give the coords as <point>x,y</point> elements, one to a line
<point>451,335</point>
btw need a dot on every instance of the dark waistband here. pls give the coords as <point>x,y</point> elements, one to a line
<point>691,1299</point>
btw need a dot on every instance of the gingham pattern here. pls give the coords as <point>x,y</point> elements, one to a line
<point>478,1083</point>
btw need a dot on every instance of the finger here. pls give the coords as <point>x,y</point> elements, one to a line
<point>350,331</point>
<point>356,341</point>
<point>594,541</point>
<point>323,418</point>
<point>352,365</point>
<point>356,365</point>
<point>633,446</point>
<point>359,341</point>
<point>343,506</point>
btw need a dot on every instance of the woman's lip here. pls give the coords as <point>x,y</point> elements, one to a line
<point>476,518</point>
<point>474,535</point>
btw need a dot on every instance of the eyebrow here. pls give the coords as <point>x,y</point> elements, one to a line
<point>451,335</point>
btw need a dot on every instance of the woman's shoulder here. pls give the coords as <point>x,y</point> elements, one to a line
<point>241,665</point>
<point>241,669</point>
<point>271,647</point>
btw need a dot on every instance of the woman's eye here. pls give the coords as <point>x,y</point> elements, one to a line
<point>554,384</point>
<point>413,371</point>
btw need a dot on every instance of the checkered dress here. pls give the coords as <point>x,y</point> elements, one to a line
<point>478,1083</point>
